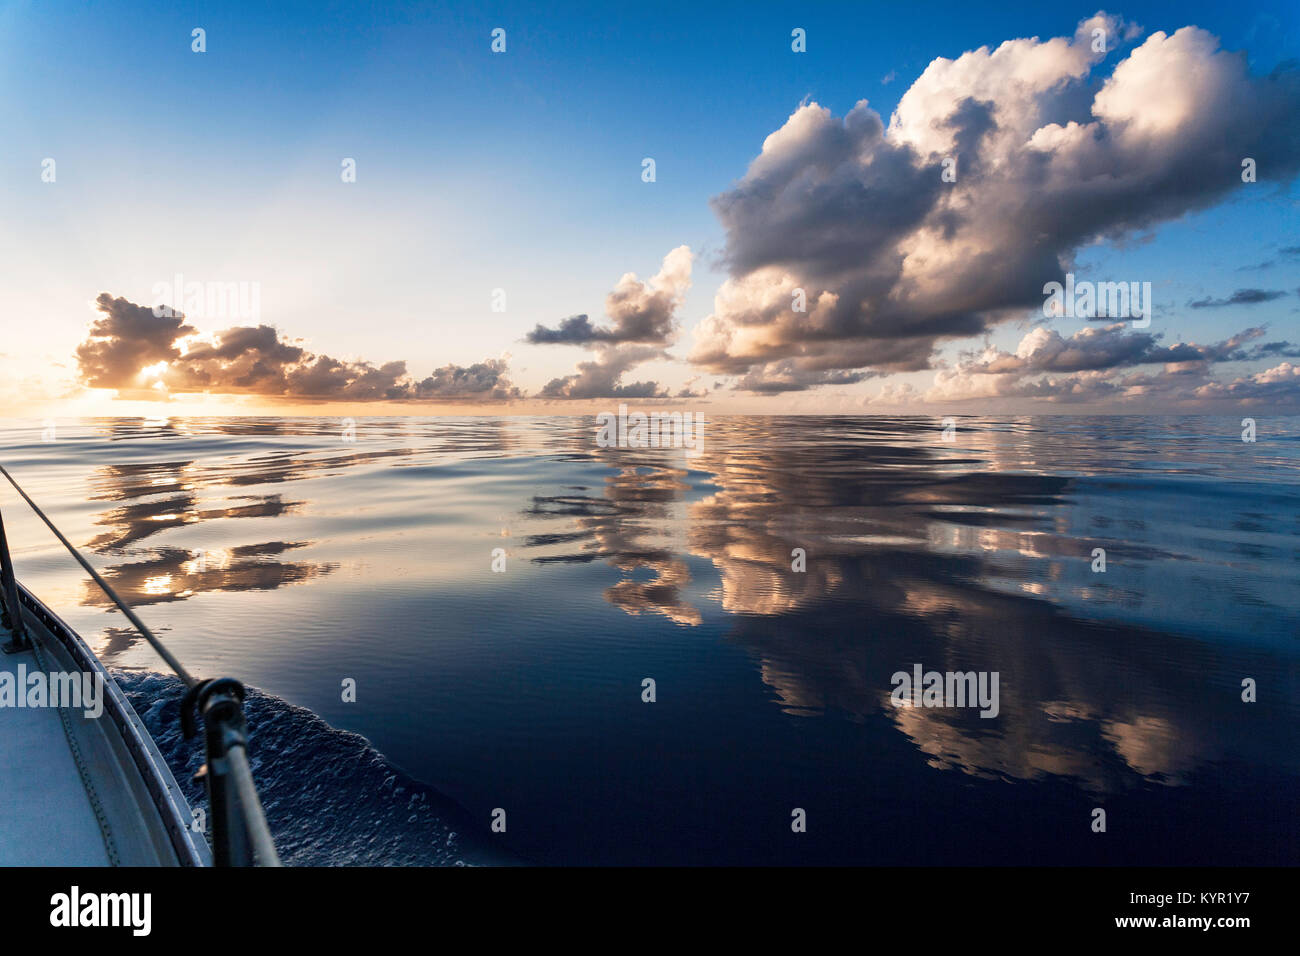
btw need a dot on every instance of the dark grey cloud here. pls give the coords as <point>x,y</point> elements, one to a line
<point>1286,253</point>
<point>1267,350</point>
<point>1240,297</point>
<point>575,330</point>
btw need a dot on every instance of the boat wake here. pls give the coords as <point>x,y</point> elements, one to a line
<point>331,799</point>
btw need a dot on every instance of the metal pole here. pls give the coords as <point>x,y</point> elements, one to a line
<point>147,634</point>
<point>240,835</point>
<point>12,616</point>
<point>258,831</point>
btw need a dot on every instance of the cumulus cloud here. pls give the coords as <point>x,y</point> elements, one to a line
<point>641,312</point>
<point>601,377</point>
<point>130,349</point>
<point>1278,384</point>
<point>124,339</point>
<point>489,377</point>
<point>643,316</point>
<point>854,217</point>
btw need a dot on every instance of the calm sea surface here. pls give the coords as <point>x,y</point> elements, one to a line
<point>275,551</point>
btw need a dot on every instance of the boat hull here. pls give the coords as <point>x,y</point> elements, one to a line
<point>134,801</point>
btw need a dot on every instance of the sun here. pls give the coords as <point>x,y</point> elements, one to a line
<point>153,372</point>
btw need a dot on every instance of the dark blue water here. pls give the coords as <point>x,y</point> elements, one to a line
<point>280,553</point>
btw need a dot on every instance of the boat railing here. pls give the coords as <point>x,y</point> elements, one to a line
<point>240,834</point>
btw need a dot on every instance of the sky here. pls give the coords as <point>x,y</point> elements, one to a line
<point>917,175</point>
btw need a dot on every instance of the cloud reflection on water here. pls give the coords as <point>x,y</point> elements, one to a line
<point>966,556</point>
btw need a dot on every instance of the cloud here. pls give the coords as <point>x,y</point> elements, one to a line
<point>1114,346</point>
<point>690,391</point>
<point>644,321</point>
<point>1286,252</point>
<point>601,377</point>
<point>1275,385</point>
<point>488,377</point>
<point>786,376</point>
<point>126,338</point>
<point>1100,364</point>
<point>136,352</point>
<point>891,260</point>
<point>1240,297</point>
<point>642,312</point>
<point>893,393</point>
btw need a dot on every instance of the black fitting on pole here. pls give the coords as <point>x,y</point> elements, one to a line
<point>238,824</point>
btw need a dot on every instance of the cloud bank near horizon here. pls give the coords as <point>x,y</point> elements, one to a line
<point>1100,364</point>
<point>143,355</point>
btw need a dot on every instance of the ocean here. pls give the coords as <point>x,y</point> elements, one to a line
<point>658,656</point>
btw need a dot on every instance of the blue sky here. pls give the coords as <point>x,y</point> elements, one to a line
<point>478,171</point>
